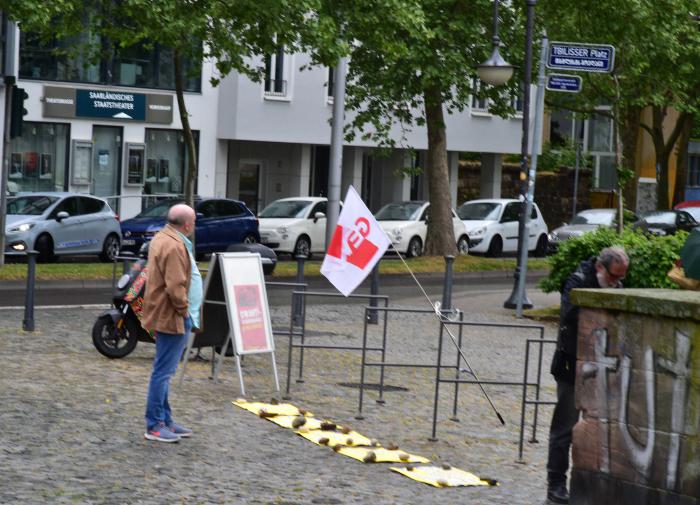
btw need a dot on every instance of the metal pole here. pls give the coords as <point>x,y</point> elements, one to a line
<point>524,238</point>
<point>578,161</point>
<point>296,299</point>
<point>511,302</point>
<point>447,285</point>
<point>372,315</point>
<point>28,322</point>
<point>336,158</point>
<point>8,70</point>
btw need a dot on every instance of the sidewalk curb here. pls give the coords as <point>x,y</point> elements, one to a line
<point>434,276</point>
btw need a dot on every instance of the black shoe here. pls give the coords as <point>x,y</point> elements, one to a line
<point>557,493</point>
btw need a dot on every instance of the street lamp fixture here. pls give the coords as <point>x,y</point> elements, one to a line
<point>495,71</point>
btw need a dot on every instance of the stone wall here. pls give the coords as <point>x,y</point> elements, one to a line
<point>638,389</point>
<point>553,190</point>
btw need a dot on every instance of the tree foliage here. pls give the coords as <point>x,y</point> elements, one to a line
<point>657,65</point>
<point>233,32</point>
<point>412,61</point>
<point>651,257</point>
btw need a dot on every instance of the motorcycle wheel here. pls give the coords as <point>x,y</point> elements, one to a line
<point>111,341</point>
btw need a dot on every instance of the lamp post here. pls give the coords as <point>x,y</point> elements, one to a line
<point>495,70</point>
<point>517,297</point>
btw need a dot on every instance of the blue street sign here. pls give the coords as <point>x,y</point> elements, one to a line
<point>581,57</point>
<point>564,82</point>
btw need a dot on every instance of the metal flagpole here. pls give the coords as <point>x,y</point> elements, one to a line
<point>336,158</point>
<point>454,340</point>
<point>539,112</point>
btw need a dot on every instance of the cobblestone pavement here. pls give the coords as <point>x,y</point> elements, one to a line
<point>71,421</point>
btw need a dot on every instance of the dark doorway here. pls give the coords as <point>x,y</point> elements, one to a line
<point>319,181</point>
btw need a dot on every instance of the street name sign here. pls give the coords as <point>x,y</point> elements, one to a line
<point>564,82</point>
<point>581,57</point>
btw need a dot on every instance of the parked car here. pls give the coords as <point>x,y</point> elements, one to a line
<point>692,207</point>
<point>56,224</point>
<point>220,223</point>
<point>406,224</point>
<point>492,226</point>
<point>295,225</point>
<point>587,221</point>
<point>666,222</point>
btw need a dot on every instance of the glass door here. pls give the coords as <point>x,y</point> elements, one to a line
<point>248,186</point>
<point>106,163</point>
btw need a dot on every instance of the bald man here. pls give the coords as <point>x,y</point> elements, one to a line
<point>170,309</point>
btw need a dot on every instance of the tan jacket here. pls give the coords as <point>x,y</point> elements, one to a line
<point>169,274</point>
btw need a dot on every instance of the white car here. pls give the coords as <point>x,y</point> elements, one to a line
<point>295,225</point>
<point>492,226</point>
<point>406,224</point>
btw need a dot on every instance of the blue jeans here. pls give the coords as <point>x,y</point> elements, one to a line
<point>169,349</point>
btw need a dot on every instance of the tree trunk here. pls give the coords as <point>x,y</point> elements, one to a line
<point>663,149</point>
<point>189,137</point>
<point>682,161</point>
<point>440,239</point>
<point>629,137</point>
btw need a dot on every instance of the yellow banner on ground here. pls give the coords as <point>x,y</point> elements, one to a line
<point>270,409</point>
<point>333,438</point>
<point>441,477</point>
<point>309,423</point>
<point>381,455</point>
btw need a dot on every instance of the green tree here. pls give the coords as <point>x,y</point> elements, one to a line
<point>657,58</point>
<point>412,62</point>
<point>233,32</point>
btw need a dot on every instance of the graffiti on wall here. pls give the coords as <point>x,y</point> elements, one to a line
<point>608,378</point>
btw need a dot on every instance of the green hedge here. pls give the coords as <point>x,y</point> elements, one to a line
<point>651,257</point>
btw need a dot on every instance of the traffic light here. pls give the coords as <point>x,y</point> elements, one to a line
<point>17,111</point>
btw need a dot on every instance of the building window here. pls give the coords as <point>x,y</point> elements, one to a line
<point>166,161</point>
<point>694,170</point>
<point>275,80</point>
<point>600,133</point>
<point>38,159</point>
<point>478,104</point>
<point>140,65</point>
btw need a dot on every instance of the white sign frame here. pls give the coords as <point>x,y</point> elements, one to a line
<point>244,270</point>
<point>239,269</point>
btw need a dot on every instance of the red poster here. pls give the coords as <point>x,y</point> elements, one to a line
<point>250,317</point>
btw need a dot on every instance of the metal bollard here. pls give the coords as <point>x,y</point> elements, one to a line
<point>372,315</point>
<point>297,301</point>
<point>446,305</point>
<point>28,321</point>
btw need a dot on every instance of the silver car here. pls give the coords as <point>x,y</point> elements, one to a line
<point>61,224</point>
<point>584,222</point>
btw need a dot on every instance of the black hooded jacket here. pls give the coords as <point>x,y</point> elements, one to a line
<point>564,360</point>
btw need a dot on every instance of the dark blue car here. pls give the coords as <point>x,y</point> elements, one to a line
<point>220,223</point>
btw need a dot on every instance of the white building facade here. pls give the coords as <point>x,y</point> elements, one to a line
<point>113,129</point>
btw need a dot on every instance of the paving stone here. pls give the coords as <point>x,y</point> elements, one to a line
<point>71,421</point>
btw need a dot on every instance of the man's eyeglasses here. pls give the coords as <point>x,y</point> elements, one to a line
<point>614,276</point>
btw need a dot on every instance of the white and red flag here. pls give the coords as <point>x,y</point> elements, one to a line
<point>358,243</point>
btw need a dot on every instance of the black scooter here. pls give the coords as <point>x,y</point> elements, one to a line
<point>117,331</point>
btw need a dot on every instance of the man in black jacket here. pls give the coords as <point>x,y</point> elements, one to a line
<point>605,271</point>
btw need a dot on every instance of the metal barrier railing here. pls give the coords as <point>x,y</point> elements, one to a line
<point>302,333</point>
<point>383,364</point>
<point>462,324</point>
<point>536,402</point>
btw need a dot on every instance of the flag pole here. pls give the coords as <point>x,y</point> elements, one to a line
<point>454,340</point>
